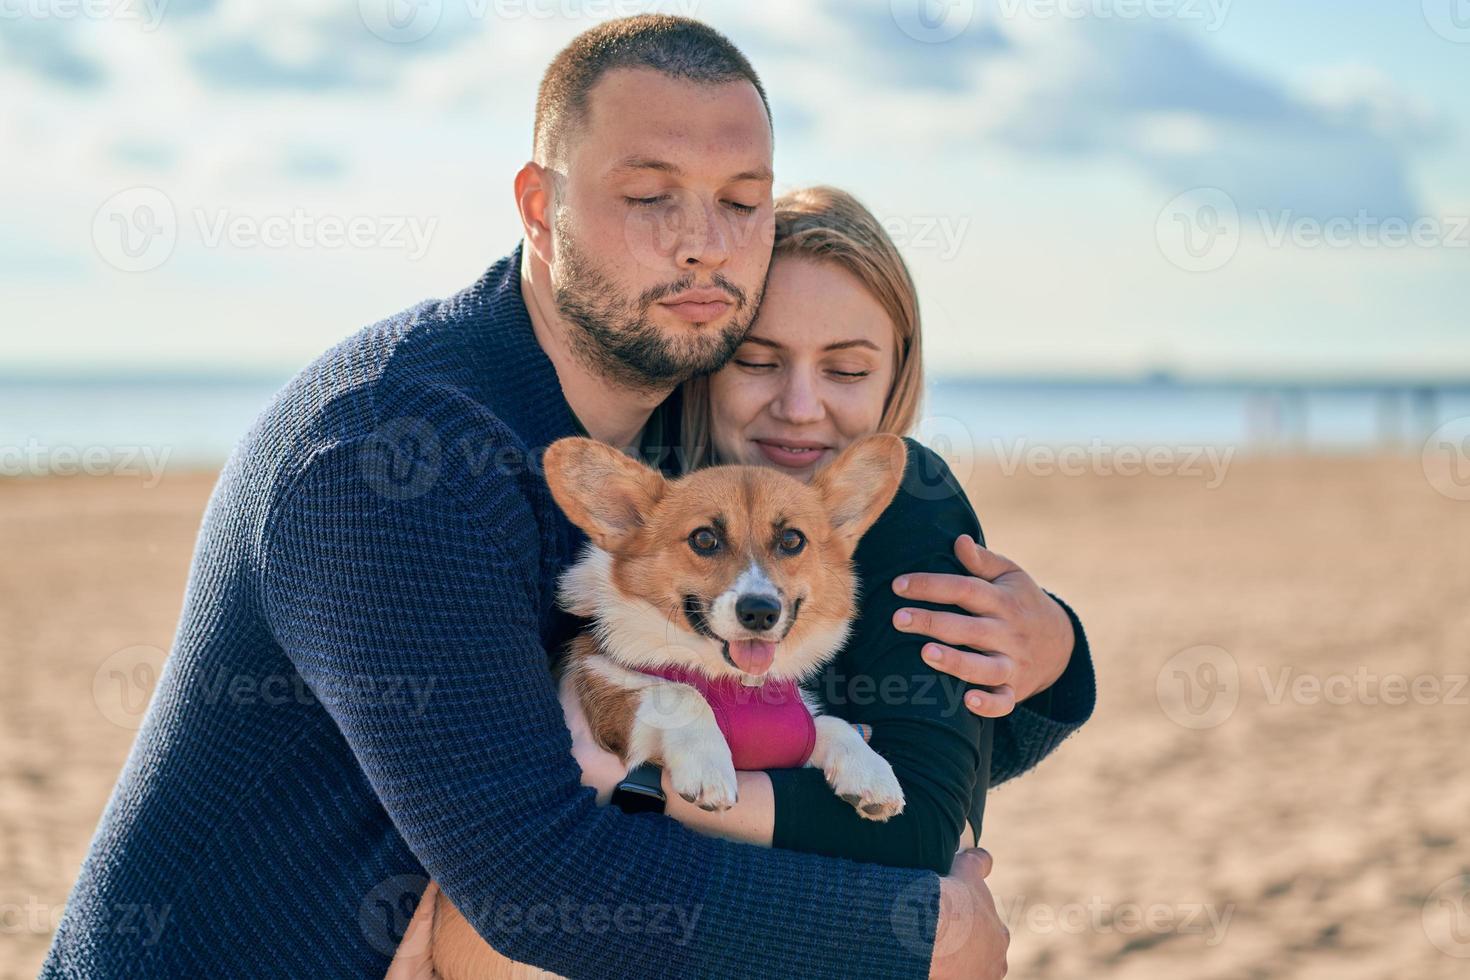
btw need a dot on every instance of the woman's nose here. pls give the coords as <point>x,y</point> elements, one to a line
<point>798,403</point>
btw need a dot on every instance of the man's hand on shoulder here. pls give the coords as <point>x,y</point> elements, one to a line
<point>1019,639</point>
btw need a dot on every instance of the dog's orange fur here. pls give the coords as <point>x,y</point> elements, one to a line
<point>643,522</point>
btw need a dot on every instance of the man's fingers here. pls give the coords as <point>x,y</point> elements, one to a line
<point>989,669</point>
<point>969,593</point>
<point>956,629</point>
<point>972,863</point>
<point>981,561</point>
<point>995,703</point>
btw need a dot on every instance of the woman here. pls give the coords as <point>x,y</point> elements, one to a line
<point>835,355</point>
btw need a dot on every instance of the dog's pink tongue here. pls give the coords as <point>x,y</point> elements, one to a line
<point>753,656</point>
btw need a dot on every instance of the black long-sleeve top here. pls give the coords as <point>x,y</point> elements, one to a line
<point>944,756</point>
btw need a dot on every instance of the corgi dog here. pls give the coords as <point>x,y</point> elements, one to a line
<point>711,598</point>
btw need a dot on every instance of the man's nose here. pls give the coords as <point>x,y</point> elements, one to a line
<point>704,239</point>
<point>757,612</point>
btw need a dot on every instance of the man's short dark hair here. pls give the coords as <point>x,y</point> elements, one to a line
<point>676,46</point>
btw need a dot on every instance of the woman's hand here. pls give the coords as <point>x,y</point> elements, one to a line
<point>1020,638</point>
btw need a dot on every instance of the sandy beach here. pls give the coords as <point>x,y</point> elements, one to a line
<point>1274,785</point>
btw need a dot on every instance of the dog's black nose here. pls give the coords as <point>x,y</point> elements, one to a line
<point>757,612</point>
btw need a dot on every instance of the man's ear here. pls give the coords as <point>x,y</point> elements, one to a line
<point>860,483</point>
<point>604,492</point>
<point>534,188</point>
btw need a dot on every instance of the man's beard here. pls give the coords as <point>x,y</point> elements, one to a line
<point>618,339</point>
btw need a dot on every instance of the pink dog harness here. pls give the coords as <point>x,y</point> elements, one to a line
<point>766,727</point>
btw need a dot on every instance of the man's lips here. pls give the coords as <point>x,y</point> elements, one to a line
<point>699,305</point>
<point>792,453</point>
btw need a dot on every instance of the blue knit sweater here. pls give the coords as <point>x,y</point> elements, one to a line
<point>358,698</point>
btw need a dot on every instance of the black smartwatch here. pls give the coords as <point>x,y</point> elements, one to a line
<point>641,791</point>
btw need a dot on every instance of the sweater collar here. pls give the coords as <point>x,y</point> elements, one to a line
<point>517,379</point>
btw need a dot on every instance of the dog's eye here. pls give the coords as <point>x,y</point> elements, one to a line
<point>704,540</point>
<point>792,541</point>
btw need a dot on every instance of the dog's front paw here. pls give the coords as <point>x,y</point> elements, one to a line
<point>705,777</point>
<point>866,780</point>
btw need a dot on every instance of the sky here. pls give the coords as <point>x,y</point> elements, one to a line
<point>1080,186</point>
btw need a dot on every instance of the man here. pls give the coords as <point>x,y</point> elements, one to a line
<point>382,545</point>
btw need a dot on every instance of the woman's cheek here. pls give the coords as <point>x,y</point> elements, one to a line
<point>858,408</point>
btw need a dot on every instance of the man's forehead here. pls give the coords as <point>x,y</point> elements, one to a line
<point>643,119</point>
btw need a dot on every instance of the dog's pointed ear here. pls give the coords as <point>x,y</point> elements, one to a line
<point>860,483</point>
<point>605,492</point>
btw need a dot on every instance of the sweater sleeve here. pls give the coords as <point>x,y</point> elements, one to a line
<point>1041,722</point>
<point>442,586</point>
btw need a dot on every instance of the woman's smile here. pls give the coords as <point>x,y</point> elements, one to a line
<point>796,454</point>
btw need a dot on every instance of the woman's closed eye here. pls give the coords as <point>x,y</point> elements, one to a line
<point>750,365</point>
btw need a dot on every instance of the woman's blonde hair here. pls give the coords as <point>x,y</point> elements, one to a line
<point>828,225</point>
